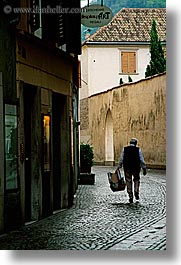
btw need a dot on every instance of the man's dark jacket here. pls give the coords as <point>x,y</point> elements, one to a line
<point>131,160</point>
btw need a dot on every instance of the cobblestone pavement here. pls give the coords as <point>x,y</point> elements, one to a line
<point>101,219</point>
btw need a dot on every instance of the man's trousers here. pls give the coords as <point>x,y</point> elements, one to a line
<point>132,176</point>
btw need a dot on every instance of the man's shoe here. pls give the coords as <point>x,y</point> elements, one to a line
<point>136,195</point>
<point>130,200</point>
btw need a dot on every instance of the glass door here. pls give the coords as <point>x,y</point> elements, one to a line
<point>11,147</point>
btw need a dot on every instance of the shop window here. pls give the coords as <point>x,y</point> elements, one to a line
<point>11,144</point>
<point>46,143</point>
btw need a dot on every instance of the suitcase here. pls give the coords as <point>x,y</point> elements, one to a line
<point>117,181</point>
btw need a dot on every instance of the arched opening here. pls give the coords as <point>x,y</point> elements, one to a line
<point>109,143</point>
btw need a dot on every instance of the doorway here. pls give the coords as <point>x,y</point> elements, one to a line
<point>109,143</point>
<point>32,151</point>
<point>56,121</point>
<point>29,94</point>
<point>46,165</point>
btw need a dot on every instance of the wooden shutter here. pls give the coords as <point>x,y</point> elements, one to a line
<point>34,17</point>
<point>73,27</point>
<point>63,28</point>
<point>131,62</point>
<point>124,62</point>
<point>53,24</point>
<point>128,62</point>
<point>60,36</point>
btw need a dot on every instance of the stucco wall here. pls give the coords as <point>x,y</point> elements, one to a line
<point>138,110</point>
<point>84,120</point>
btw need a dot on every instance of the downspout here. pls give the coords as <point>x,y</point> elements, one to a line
<point>76,124</point>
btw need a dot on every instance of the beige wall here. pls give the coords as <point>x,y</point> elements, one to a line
<point>137,110</point>
<point>42,68</point>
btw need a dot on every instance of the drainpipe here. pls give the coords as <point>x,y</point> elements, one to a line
<point>75,130</point>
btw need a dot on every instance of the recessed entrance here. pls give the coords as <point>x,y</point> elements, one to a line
<point>109,144</point>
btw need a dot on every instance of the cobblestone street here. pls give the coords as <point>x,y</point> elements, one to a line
<point>101,219</point>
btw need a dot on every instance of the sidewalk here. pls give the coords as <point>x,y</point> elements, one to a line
<point>101,219</point>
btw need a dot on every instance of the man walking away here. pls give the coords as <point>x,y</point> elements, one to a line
<point>132,160</point>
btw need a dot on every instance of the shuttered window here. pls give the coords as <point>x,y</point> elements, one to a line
<point>53,26</point>
<point>128,62</point>
<point>34,17</point>
<point>63,28</point>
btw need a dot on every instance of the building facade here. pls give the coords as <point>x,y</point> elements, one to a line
<point>39,110</point>
<point>120,49</point>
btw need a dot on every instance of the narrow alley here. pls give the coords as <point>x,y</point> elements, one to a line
<point>101,219</point>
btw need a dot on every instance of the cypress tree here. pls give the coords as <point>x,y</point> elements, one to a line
<point>157,62</point>
<point>129,79</point>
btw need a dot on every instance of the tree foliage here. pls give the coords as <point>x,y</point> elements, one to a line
<point>116,5</point>
<point>157,62</point>
<point>86,154</point>
<point>129,79</point>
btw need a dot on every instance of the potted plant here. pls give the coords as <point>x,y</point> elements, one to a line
<point>86,162</point>
<point>86,158</point>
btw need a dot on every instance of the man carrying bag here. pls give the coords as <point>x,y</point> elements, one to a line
<point>132,161</point>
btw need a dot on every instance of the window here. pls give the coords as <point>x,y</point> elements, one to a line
<point>35,16</point>
<point>46,142</point>
<point>11,144</point>
<point>128,62</point>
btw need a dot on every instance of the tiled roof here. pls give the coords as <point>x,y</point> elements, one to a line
<point>132,24</point>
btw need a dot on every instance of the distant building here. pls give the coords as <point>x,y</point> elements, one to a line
<point>120,49</point>
<point>111,114</point>
<point>38,109</point>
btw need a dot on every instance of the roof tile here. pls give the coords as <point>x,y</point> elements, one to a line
<point>132,24</point>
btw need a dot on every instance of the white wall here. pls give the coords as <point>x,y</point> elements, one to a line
<point>101,67</point>
<point>84,73</point>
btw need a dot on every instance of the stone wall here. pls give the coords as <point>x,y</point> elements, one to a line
<point>138,110</point>
<point>84,120</point>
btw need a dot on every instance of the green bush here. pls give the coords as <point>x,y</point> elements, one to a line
<point>86,157</point>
